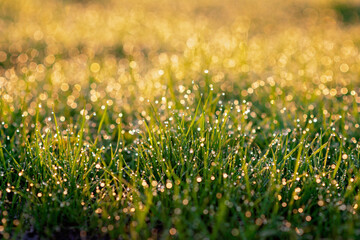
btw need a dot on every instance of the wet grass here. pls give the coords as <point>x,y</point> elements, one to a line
<point>137,121</point>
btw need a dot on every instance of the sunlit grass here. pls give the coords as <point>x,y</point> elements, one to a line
<point>161,119</point>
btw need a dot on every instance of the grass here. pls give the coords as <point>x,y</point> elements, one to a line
<point>161,120</point>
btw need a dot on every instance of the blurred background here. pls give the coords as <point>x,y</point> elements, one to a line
<point>70,54</point>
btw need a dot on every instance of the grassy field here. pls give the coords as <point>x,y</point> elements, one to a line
<point>179,119</point>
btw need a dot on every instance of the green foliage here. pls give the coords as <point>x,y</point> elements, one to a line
<point>129,120</point>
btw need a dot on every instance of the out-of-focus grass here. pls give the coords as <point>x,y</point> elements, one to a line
<point>163,119</point>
